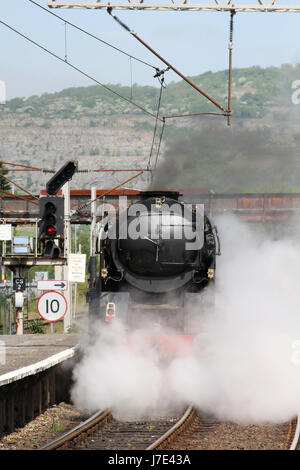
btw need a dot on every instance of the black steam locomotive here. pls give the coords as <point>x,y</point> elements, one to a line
<point>157,259</point>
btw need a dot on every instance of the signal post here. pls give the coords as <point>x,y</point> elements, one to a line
<point>52,243</point>
<point>67,251</point>
<point>93,295</point>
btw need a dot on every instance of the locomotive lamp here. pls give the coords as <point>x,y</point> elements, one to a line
<point>110,312</point>
<point>104,272</point>
<point>210,273</point>
<point>158,203</point>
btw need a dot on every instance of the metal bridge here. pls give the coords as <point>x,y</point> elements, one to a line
<point>263,207</point>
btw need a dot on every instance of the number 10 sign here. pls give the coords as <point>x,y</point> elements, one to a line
<point>52,306</point>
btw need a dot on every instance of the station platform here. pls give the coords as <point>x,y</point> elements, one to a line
<point>22,351</point>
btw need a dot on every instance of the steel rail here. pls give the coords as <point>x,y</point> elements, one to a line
<point>94,421</point>
<point>296,438</point>
<point>172,432</point>
<point>73,435</point>
<point>161,443</point>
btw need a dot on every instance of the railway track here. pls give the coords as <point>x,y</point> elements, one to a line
<point>103,432</point>
<point>205,433</point>
<point>191,431</point>
<point>295,434</point>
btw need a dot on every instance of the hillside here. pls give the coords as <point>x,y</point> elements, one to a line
<point>254,91</point>
<point>99,129</point>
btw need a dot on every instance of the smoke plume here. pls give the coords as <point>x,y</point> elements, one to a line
<point>237,159</point>
<point>246,364</point>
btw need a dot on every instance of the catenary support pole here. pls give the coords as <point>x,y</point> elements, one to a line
<point>67,251</point>
<point>94,300</point>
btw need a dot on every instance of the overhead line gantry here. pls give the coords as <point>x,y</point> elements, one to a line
<point>176,5</point>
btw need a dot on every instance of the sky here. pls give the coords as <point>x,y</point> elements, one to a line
<point>194,42</point>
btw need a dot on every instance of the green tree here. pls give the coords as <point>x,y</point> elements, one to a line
<point>4,184</point>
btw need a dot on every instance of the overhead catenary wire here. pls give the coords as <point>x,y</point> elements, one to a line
<point>186,79</point>
<point>66,43</point>
<point>25,198</point>
<point>109,191</point>
<point>131,78</point>
<point>74,67</point>
<point>159,143</point>
<point>111,169</point>
<point>139,170</point>
<point>92,35</point>
<point>157,117</point>
<point>19,187</point>
<point>32,168</point>
<point>45,170</point>
<point>158,71</point>
<point>225,113</point>
<point>194,115</point>
<point>5,170</point>
<point>161,79</point>
<point>105,193</point>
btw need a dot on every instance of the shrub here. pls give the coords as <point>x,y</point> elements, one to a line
<point>37,326</point>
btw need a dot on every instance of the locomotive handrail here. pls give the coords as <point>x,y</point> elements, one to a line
<point>218,251</point>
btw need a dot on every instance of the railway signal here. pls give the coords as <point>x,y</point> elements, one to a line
<point>52,217</point>
<point>51,225</point>
<point>62,176</point>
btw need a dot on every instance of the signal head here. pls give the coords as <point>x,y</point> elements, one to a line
<point>52,217</point>
<point>51,230</point>
<point>64,174</point>
<point>50,207</point>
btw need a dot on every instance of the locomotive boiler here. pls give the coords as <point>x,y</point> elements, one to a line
<point>157,263</point>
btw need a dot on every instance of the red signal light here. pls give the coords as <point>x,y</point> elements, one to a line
<point>51,230</point>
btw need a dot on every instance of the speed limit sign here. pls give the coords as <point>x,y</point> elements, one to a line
<point>52,306</point>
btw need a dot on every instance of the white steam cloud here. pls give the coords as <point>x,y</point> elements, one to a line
<point>246,365</point>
